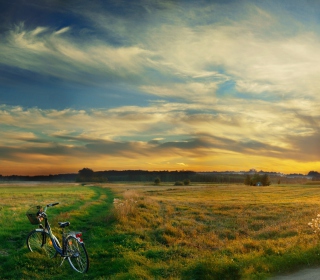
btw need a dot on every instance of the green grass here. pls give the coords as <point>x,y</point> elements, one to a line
<point>84,206</point>
<point>166,232</point>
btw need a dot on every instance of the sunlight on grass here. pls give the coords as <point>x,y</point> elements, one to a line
<point>126,207</point>
<point>166,232</point>
<point>75,203</point>
<point>245,231</point>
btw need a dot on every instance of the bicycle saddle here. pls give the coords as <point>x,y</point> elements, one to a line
<point>64,224</point>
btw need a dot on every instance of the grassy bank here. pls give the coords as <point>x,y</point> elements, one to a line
<point>167,232</point>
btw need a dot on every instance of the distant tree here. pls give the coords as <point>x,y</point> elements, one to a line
<point>86,172</point>
<point>247,180</point>
<point>186,182</point>
<point>265,180</point>
<point>255,179</point>
<point>178,183</point>
<point>157,181</point>
<point>313,173</point>
<point>88,175</point>
<point>85,175</point>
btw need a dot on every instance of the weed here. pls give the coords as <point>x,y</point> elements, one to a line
<point>123,208</point>
<point>315,225</point>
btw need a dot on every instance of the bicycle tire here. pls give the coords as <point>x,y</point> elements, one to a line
<point>77,254</point>
<point>35,241</point>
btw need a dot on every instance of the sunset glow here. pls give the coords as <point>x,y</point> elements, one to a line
<point>159,85</point>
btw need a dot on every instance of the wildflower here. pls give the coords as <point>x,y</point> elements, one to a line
<point>315,225</point>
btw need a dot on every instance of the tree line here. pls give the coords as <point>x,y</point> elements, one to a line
<point>88,175</point>
<point>257,180</point>
<point>183,177</point>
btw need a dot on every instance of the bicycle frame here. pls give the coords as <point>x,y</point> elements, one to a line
<point>53,238</point>
<point>72,247</point>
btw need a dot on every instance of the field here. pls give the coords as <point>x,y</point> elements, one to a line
<point>166,232</point>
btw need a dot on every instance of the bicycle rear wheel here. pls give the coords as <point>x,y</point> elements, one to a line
<point>77,254</point>
<point>39,241</point>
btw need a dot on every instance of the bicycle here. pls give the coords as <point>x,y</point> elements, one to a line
<point>42,240</point>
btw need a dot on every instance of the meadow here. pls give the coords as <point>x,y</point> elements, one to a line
<point>166,232</point>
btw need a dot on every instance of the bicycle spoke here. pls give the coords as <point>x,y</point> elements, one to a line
<point>39,241</point>
<point>77,255</point>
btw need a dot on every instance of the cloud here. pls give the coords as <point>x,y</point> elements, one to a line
<point>305,147</point>
<point>55,53</point>
<point>189,58</point>
<point>192,92</point>
<point>236,80</point>
<point>259,53</point>
<point>140,133</point>
<point>62,30</point>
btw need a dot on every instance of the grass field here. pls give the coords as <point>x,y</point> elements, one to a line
<point>166,232</point>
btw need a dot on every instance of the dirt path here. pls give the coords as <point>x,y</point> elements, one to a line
<point>305,274</point>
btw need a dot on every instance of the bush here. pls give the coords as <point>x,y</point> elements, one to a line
<point>264,180</point>
<point>186,182</point>
<point>157,181</point>
<point>178,183</point>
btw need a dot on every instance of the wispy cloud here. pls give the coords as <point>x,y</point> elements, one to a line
<point>211,85</point>
<point>122,134</point>
<point>257,52</point>
<point>190,92</point>
<point>54,53</point>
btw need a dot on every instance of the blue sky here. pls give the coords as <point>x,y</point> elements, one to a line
<point>159,85</point>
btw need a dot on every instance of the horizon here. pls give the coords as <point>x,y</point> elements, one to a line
<point>164,85</point>
<point>143,170</point>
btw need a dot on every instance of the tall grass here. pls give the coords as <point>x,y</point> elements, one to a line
<point>165,232</point>
<point>126,207</point>
<point>222,232</point>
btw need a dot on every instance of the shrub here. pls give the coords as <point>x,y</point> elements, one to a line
<point>178,183</point>
<point>157,181</point>
<point>257,179</point>
<point>186,182</point>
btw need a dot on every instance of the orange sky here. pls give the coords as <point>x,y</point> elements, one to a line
<point>159,85</point>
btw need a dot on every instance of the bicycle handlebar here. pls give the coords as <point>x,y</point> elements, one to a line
<point>49,205</point>
<point>52,204</point>
<point>42,215</point>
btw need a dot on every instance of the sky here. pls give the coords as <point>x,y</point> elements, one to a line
<point>159,85</point>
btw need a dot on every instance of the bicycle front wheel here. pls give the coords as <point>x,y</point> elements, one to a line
<point>39,241</point>
<point>77,255</point>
